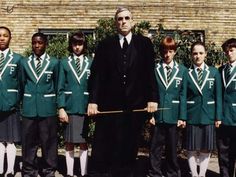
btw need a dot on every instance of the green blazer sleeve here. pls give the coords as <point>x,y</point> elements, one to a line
<point>10,82</point>
<point>72,86</point>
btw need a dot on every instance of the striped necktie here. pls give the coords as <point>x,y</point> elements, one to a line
<point>199,76</point>
<point>1,61</point>
<point>78,65</point>
<point>168,73</point>
<point>228,72</point>
<point>38,66</point>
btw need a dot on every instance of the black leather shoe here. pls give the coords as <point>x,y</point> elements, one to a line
<point>10,175</point>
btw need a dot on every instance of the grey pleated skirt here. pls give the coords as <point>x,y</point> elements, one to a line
<point>74,130</point>
<point>10,127</point>
<point>200,137</point>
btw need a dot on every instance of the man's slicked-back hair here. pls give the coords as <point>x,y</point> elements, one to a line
<point>121,9</point>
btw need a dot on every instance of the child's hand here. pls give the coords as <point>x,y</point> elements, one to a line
<point>63,117</point>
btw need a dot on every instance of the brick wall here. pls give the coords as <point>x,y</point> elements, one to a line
<point>24,17</point>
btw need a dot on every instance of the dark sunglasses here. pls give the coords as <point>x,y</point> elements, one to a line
<point>121,18</point>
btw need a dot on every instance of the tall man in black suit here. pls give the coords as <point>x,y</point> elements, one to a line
<point>122,78</point>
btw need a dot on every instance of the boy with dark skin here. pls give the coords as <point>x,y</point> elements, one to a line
<point>39,110</point>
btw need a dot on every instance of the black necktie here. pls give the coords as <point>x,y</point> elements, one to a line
<point>1,61</point>
<point>228,72</point>
<point>199,76</point>
<point>125,45</point>
<point>168,73</point>
<point>38,66</point>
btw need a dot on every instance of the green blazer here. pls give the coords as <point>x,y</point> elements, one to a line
<point>39,92</point>
<point>172,95</point>
<point>204,104</point>
<point>229,97</point>
<point>10,82</point>
<point>72,87</point>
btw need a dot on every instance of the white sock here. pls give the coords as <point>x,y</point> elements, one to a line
<point>83,161</point>
<point>70,162</point>
<point>2,153</point>
<point>204,160</point>
<point>192,162</point>
<point>11,156</point>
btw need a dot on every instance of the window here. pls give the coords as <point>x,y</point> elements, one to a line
<point>53,32</point>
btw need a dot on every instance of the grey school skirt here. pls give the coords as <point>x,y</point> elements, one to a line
<point>74,130</point>
<point>200,137</point>
<point>10,127</point>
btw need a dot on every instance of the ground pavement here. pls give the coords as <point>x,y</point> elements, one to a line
<point>141,167</point>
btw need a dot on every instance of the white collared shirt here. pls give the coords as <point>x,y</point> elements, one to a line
<point>171,65</point>
<point>128,37</point>
<point>233,65</point>
<point>41,58</point>
<point>81,57</point>
<point>196,67</point>
<point>5,52</point>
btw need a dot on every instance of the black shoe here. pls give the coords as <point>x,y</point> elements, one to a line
<point>68,176</point>
<point>10,175</point>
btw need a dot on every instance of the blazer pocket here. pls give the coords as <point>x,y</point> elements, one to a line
<point>190,102</point>
<point>86,93</point>
<point>67,93</point>
<point>27,95</point>
<point>12,90</point>
<point>49,95</point>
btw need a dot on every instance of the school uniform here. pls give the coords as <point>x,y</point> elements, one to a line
<point>204,107</point>
<point>226,134</point>
<point>39,110</point>
<point>73,95</point>
<point>9,96</point>
<point>172,96</point>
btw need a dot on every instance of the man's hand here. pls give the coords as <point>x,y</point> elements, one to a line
<point>152,107</point>
<point>92,109</point>
<point>181,123</point>
<point>152,121</point>
<point>63,115</point>
<point>218,123</point>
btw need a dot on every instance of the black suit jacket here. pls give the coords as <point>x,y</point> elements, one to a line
<point>106,84</point>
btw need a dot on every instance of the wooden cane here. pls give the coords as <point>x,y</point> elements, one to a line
<point>122,111</point>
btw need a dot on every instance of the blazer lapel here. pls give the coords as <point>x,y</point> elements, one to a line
<point>231,78</point>
<point>84,67</point>
<point>71,63</point>
<point>32,68</point>
<point>174,72</point>
<point>8,59</point>
<point>193,77</point>
<point>205,75</point>
<point>132,51</point>
<point>118,54</point>
<point>44,66</point>
<point>161,74</point>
